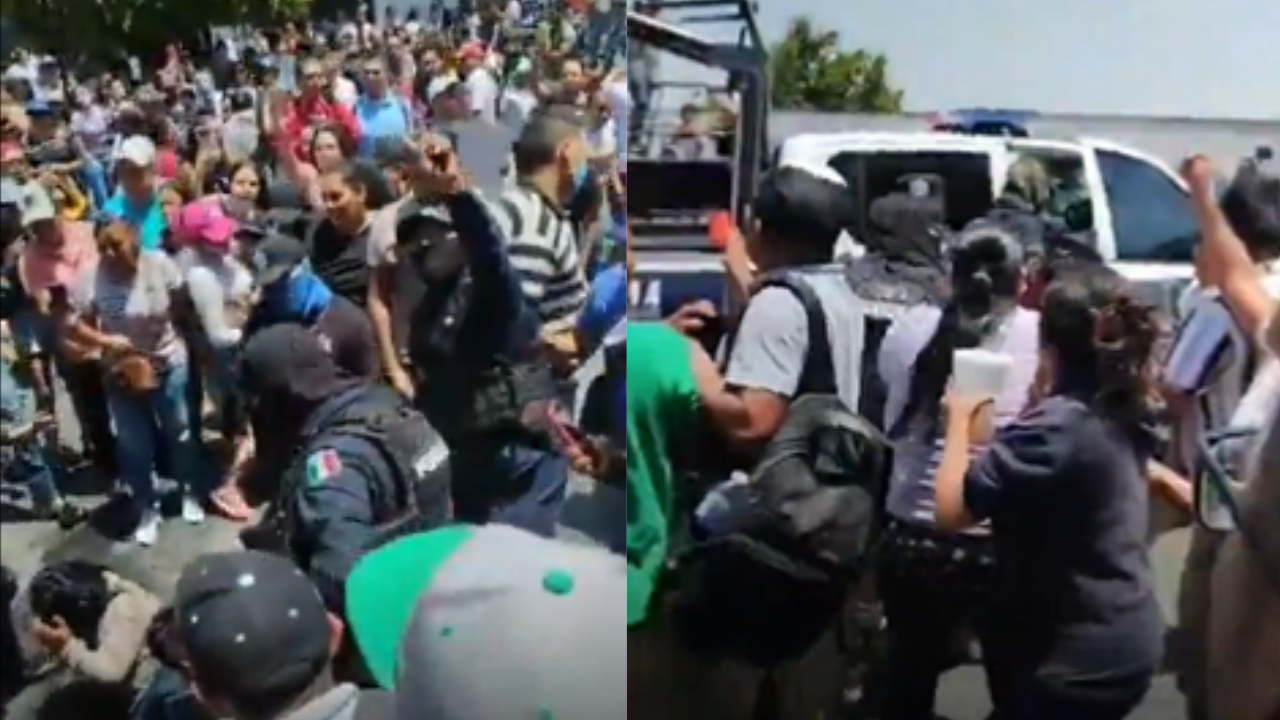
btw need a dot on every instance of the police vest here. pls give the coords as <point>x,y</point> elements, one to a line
<point>887,289</point>
<point>503,393</point>
<point>413,498</point>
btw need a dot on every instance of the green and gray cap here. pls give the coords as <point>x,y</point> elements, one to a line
<point>493,623</point>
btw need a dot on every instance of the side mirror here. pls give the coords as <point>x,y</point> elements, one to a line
<point>1217,505</point>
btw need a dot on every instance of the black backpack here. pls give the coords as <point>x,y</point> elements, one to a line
<point>775,580</point>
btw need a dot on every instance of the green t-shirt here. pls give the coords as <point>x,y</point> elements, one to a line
<point>662,402</point>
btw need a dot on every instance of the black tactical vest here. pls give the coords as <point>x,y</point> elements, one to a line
<point>414,498</point>
<point>888,289</point>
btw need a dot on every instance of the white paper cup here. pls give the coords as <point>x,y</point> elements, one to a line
<point>980,373</point>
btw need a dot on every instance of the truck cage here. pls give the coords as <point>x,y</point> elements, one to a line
<point>659,24</point>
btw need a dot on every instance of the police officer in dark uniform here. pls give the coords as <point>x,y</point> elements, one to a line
<point>365,466</point>
<point>476,348</point>
<point>1023,206</point>
<point>903,268</point>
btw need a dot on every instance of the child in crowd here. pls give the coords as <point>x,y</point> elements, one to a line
<point>24,433</point>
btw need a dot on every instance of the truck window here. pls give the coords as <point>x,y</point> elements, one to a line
<point>1150,212</point>
<point>874,174</point>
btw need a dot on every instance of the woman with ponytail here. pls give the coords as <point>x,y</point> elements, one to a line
<point>1074,630</point>
<point>933,583</point>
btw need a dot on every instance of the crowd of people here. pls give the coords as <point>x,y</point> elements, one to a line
<point>343,289</point>
<point>964,428</point>
<point>384,265</point>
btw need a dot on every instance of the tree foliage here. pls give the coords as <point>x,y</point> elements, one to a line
<point>114,28</point>
<point>810,71</point>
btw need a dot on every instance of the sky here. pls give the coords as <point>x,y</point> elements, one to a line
<point>1185,58</point>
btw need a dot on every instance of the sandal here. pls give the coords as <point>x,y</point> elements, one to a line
<point>230,504</point>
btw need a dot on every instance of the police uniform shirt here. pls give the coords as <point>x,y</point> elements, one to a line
<point>347,490</point>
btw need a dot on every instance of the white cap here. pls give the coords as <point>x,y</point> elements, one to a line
<point>438,86</point>
<point>37,205</point>
<point>137,150</point>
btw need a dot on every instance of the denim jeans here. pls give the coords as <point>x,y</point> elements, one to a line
<point>168,697</point>
<point>94,178</point>
<point>28,461</point>
<point>143,419</point>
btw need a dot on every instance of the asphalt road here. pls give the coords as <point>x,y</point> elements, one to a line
<point>25,547</point>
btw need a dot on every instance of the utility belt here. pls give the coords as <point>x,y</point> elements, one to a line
<point>514,404</point>
<point>936,559</point>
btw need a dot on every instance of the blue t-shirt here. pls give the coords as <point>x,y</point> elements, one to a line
<point>388,117</point>
<point>148,219</point>
<point>607,305</point>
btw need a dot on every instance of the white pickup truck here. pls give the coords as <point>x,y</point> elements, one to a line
<point>1143,220</point>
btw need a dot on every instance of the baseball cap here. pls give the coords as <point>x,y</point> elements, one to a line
<point>137,150</point>
<point>37,205</point>
<point>445,87</point>
<point>253,621</point>
<point>808,202</point>
<point>291,361</point>
<point>473,50</point>
<point>39,108</point>
<point>493,622</point>
<point>207,223</point>
<point>396,151</point>
<point>275,257</point>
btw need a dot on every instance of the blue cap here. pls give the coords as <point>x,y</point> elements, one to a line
<point>39,108</point>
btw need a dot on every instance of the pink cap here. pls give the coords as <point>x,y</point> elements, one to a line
<point>205,222</point>
<point>473,50</point>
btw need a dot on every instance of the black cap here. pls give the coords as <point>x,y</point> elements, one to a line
<point>397,151</point>
<point>289,361</point>
<point>251,623</point>
<point>422,223</point>
<point>794,201</point>
<point>275,257</point>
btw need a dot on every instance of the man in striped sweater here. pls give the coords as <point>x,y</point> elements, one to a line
<point>551,163</point>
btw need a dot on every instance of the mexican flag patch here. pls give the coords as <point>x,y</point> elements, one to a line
<point>323,466</point>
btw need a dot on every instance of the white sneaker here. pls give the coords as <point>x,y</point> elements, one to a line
<point>148,532</point>
<point>193,511</point>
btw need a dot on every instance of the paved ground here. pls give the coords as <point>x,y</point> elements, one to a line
<point>25,547</point>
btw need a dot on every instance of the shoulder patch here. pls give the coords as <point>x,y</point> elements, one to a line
<point>322,467</point>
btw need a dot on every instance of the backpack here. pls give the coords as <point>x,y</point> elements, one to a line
<point>774,579</point>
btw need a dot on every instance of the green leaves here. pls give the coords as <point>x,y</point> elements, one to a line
<point>108,28</point>
<point>810,71</point>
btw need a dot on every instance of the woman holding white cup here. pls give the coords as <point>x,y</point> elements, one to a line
<point>1075,629</point>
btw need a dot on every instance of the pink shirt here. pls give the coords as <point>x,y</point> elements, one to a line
<point>45,268</point>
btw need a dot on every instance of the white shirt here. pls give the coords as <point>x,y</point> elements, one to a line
<point>345,92</point>
<point>618,96</point>
<point>484,94</point>
<point>1215,362</point>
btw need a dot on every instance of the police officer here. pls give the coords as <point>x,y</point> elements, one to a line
<point>476,347</point>
<point>903,268</point>
<point>364,467</point>
<point>1023,206</point>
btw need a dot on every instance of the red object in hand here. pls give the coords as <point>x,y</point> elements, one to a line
<point>721,229</point>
